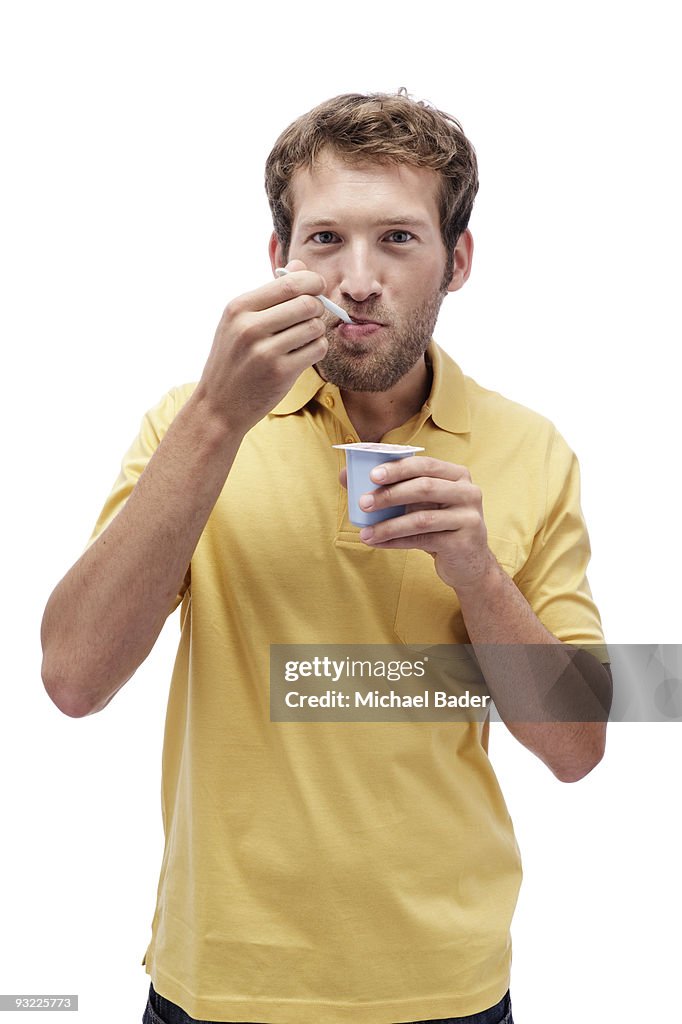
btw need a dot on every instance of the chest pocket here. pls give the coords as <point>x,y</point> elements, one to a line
<point>428,611</point>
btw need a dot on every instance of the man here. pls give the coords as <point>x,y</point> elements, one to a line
<point>329,872</point>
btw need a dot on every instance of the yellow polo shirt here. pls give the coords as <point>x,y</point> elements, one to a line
<point>334,872</point>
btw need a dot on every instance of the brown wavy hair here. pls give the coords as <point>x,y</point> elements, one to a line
<point>391,128</point>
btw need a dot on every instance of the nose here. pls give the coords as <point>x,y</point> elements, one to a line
<point>359,278</point>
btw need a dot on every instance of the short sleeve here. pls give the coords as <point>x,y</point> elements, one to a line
<point>155,423</point>
<point>554,578</point>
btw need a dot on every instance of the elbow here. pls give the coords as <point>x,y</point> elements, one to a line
<point>572,773</point>
<point>55,675</point>
<point>68,693</point>
<point>61,694</point>
<point>79,699</point>
<point>582,764</point>
<point>74,686</point>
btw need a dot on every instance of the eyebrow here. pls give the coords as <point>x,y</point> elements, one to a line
<point>329,222</point>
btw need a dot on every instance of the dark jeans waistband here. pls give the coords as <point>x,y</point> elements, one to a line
<point>163,1011</point>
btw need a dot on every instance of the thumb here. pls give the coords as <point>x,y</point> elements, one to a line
<point>296,265</point>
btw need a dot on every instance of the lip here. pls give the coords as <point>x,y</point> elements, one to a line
<point>358,330</point>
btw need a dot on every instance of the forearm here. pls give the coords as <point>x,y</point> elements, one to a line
<point>553,698</point>
<point>105,615</point>
<point>103,618</point>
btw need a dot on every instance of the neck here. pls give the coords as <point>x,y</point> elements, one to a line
<point>375,413</point>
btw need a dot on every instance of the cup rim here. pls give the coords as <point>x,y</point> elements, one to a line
<point>379,447</point>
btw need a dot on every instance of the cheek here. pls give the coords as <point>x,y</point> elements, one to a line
<point>420,285</point>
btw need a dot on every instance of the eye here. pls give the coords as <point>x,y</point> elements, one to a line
<point>323,237</point>
<point>403,233</point>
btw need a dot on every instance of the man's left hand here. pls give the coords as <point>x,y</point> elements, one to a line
<point>444,516</point>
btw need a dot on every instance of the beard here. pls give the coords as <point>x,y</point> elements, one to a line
<point>378,363</point>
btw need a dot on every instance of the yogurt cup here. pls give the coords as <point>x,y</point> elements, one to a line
<point>361,458</point>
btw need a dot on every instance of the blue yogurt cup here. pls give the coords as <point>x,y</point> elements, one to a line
<point>361,458</point>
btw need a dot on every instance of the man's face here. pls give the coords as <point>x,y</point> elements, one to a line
<point>373,232</point>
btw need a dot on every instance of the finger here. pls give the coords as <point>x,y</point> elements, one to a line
<point>294,266</point>
<point>300,357</point>
<point>418,465</point>
<point>281,289</point>
<point>428,542</point>
<point>343,478</point>
<point>429,491</point>
<point>289,314</point>
<point>280,330</point>
<point>298,268</point>
<point>306,338</point>
<point>414,526</point>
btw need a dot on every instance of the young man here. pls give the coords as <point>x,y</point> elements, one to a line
<point>324,873</point>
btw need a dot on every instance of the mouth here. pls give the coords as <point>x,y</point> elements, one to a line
<point>359,320</point>
<point>358,330</point>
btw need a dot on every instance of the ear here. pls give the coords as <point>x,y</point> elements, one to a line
<point>464,254</point>
<point>276,252</point>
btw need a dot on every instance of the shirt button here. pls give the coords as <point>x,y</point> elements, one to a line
<point>349,439</point>
<point>329,401</point>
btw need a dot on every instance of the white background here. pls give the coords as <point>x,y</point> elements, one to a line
<point>134,138</point>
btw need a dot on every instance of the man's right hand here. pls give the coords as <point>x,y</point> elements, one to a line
<point>104,616</point>
<point>264,341</point>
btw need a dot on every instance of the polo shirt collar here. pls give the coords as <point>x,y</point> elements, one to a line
<point>305,388</point>
<point>447,402</point>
